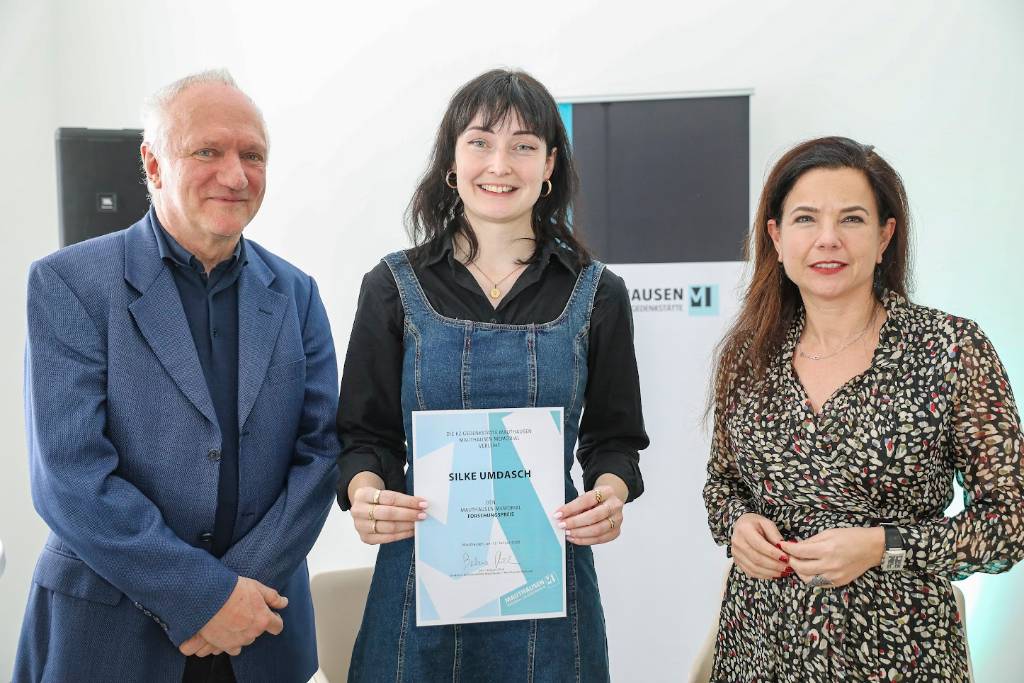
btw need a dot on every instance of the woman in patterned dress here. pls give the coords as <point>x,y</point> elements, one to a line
<point>842,415</point>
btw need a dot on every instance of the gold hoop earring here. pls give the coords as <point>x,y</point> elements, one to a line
<point>451,180</point>
<point>550,188</point>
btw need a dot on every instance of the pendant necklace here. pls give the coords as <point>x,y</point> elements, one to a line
<point>495,292</point>
<point>812,356</point>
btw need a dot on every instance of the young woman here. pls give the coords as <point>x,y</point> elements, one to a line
<point>843,412</point>
<point>498,305</point>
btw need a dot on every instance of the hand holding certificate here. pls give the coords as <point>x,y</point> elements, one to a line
<point>595,516</point>
<point>489,549</point>
<point>382,516</point>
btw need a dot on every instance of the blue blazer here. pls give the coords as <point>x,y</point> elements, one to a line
<point>120,428</point>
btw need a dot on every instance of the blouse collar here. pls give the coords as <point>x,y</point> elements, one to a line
<point>891,336</point>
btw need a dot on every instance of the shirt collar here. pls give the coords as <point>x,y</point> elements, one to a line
<point>563,254</point>
<point>891,344</point>
<point>892,338</point>
<point>171,250</point>
<point>443,248</point>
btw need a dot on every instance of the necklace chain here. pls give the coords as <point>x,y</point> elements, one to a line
<point>812,356</point>
<point>495,292</point>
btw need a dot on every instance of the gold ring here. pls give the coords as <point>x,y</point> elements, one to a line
<point>373,529</point>
<point>600,498</point>
<point>376,497</point>
<point>371,517</point>
<point>611,523</point>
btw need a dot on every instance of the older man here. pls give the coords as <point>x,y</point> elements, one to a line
<point>181,388</point>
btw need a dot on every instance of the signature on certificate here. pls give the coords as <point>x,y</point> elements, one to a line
<point>500,561</point>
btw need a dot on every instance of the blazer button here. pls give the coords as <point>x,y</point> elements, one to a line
<point>213,455</point>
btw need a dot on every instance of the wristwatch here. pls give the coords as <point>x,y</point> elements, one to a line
<point>895,555</point>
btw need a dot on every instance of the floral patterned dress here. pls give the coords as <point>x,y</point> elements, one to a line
<point>935,404</point>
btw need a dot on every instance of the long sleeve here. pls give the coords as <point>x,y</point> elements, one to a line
<point>987,450</point>
<point>369,419</point>
<point>726,497</point>
<point>274,548</point>
<point>612,428</point>
<point>108,522</point>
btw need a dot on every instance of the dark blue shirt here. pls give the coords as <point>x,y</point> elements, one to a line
<point>211,308</point>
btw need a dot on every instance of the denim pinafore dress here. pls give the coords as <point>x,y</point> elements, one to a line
<point>458,364</point>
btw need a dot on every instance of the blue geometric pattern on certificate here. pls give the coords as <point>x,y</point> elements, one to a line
<point>556,415</point>
<point>432,434</point>
<point>424,604</point>
<point>543,556</point>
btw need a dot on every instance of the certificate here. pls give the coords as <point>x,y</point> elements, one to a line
<point>489,549</point>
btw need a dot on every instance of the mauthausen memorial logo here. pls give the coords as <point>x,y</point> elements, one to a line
<point>700,300</point>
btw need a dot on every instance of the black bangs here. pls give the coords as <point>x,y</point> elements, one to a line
<point>501,96</point>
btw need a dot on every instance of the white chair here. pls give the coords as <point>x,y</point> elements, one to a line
<point>338,601</point>
<point>700,672</point>
<point>959,595</point>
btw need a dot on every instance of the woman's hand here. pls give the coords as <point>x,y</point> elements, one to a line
<point>596,516</point>
<point>382,516</point>
<point>837,556</point>
<point>755,548</point>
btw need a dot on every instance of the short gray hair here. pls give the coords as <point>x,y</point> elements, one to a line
<point>154,109</point>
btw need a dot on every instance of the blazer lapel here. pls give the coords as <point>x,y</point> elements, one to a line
<point>260,314</point>
<point>161,318</point>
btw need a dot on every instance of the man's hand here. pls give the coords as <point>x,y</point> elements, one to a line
<point>205,648</point>
<point>245,616</point>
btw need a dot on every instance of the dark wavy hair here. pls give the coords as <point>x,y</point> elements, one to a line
<point>435,209</point>
<point>771,300</point>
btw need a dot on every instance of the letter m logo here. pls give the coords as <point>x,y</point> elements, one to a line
<point>702,299</point>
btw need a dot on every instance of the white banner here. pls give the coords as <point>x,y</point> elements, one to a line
<point>660,581</point>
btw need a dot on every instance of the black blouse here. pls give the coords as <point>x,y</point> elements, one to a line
<point>370,421</point>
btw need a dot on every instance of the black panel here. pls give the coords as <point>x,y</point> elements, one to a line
<point>99,182</point>
<point>664,181</point>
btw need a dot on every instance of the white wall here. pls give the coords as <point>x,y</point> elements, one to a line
<point>28,197</point>
<point>353,91</point>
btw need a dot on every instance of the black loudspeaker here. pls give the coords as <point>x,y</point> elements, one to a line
<point>100,186</point>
